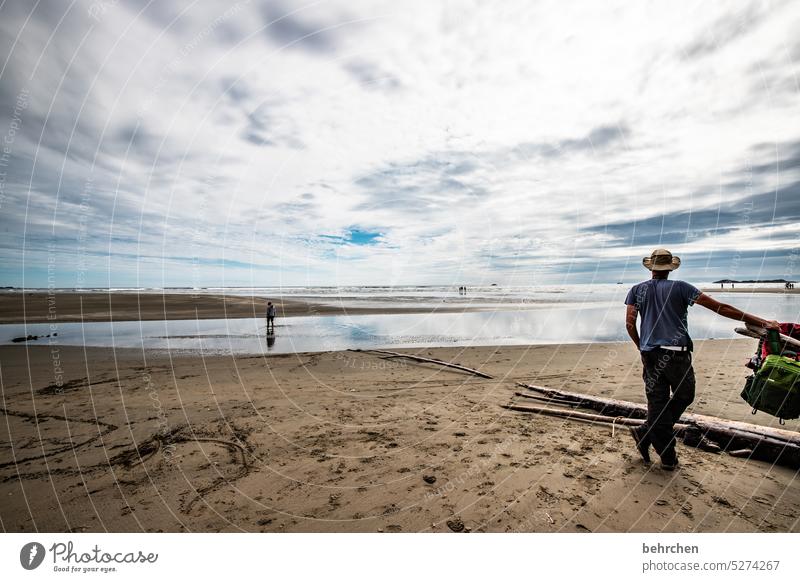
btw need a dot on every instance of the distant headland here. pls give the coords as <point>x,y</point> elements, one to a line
<point>753,281</point>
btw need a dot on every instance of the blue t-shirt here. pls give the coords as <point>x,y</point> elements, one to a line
<point>663,306</point>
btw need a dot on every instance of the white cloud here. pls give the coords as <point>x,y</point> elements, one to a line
<point>471,136</point>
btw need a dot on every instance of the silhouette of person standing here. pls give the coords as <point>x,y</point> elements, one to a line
<point>271,313</point>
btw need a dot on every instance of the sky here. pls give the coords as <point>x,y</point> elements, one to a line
<point>261,143</point>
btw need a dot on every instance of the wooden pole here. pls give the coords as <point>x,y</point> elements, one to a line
<point>613,407</point>
<point>573,414</point>
<point>772,445</point>
<point>761,332</point>
<point>429,361</point>
<point>747,332</point>
<point>559,401</point>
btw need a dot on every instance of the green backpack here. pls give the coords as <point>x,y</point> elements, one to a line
<point>775,388</point>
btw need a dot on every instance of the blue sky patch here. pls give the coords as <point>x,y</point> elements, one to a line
<point>362,237</point>
<point>355,236</point>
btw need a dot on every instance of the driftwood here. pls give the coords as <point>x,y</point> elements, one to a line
<point>429,361</point>
<point>760,332</point>
<point>575,415</point>
<point>767,444</point>
<point>750,332</point>
<point>746,332</point>
<point>691,435</point>
<point>613,407</point>
<point>558,401</point>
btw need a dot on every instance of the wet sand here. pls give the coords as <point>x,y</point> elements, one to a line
<point>98,440</point>
<point>41,307</point>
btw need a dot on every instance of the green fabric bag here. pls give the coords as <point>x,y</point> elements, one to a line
<point>775,388</point>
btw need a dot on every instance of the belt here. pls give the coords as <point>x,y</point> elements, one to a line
<point>675,348</point>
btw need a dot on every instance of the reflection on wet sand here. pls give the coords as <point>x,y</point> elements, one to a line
<point>590,322</point>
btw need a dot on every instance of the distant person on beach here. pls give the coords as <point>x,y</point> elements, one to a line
<point>666,350</point>
<point>271,313</point>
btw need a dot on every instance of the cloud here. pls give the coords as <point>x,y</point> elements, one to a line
<point>235,89</point>
<point>725,29</point>
<point>193,143</point>
<point>372,77</point>
<point>266,128</point>
<point>434,183</point>
<point>290,27</point>
<point>766,209</point>
<point>598,139</point>
<point>784,158</point>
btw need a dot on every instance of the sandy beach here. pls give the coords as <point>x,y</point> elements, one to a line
<point>97,440</point>
<point>43,307</point>
<point>410,268</point>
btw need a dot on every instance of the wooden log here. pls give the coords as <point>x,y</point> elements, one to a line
<point>762,332</point>
<point>574,414</point>
<point>607,406</point>
<point>768,444</point>
<point>430,361</point>
<point>613,407</point>
<point>559,401</point>
<point>785,455</point>
<point>747,332</point>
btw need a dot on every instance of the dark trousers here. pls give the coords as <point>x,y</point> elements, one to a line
<point>669,385</point>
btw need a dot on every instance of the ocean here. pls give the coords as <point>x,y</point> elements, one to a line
<point>501,316</point>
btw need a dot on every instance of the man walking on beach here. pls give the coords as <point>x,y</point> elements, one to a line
<point>666,350</point>
<point>271,312</point>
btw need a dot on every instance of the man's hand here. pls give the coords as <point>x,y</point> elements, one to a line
<point>772,325</point>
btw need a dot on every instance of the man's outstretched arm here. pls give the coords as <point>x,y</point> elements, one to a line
<point>630,324</point>
<point>732,312</point>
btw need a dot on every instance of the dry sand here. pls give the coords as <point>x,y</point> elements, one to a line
<point>345,441</point>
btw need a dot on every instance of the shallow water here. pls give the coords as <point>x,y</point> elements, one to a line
<point>425,296</point>
<point>569,322</point>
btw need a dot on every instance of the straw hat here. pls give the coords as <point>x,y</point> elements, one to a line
<point>661,260</point>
